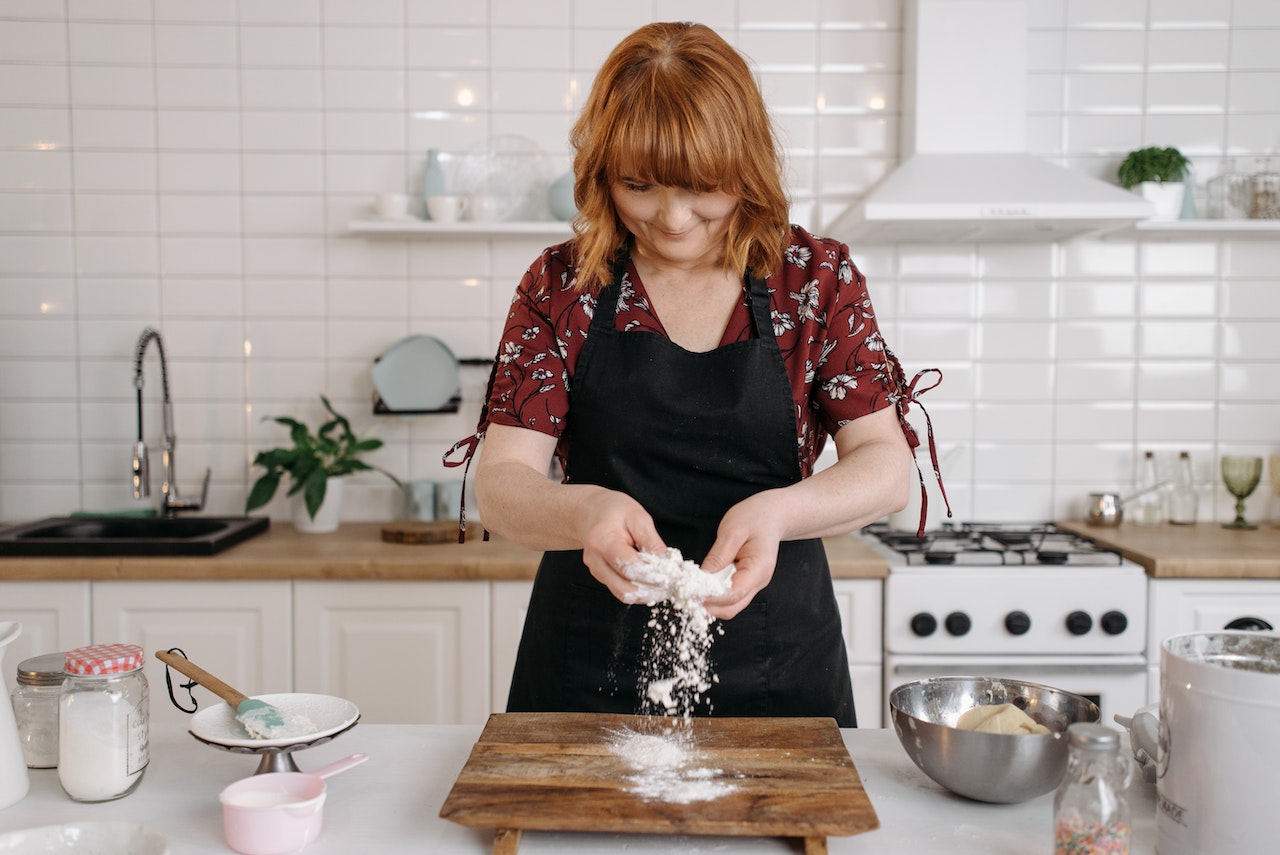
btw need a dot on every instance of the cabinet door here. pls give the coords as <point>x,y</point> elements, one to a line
<point>862,615</point>
<point>239,631</point>
<point>510,604</point>
<point>403,652</point>
<point>54,618</point>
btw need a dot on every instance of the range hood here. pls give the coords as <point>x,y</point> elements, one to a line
<point>965,174</point>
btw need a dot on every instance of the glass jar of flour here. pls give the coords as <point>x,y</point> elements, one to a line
<point>104,715</point>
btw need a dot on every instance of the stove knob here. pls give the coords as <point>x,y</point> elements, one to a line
<point>1250,623</point>
<point>924,624</point>
<point>958,623</point>
<point>1113,622</point>
<point>1078,623</point>
<point>1018,623</point>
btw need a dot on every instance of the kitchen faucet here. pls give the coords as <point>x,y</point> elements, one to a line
<point>173,501</point>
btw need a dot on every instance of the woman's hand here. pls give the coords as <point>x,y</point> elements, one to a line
<point>748,538</point>
<point>615,527</point>
<point>521,503</point>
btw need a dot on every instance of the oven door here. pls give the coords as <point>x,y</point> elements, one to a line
<point>1117,684</point>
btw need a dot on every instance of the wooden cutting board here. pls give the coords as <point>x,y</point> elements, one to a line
<point>421,531</point>
<point>790,777</point>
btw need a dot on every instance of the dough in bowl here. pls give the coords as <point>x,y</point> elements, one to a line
<point>999,718</point>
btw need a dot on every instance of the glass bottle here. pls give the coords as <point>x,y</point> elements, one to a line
<point>1184,501</point>
<point>1091,807</point>
<point>35,707</point>
<point>104,716</point>
<point>1148,504</point>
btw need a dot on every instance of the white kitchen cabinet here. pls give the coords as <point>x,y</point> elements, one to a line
<point>862,614</point>
<point>54,618</point>
<point>239,631</point>
<point>510,605</point>
<point>403,652</point>
<point>1205,605</point>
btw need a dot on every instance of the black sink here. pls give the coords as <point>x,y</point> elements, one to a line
<point>106,535</point>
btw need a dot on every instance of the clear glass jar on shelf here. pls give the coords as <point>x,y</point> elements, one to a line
<point>104,716</point>
<point>1265,197</point>
<point>1091,814</point>
<point>1230,194</point>
<point>35,707</point>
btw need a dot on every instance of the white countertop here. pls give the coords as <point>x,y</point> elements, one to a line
<point>391,803</point>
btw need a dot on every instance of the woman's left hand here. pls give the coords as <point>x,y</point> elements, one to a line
<point>748,538</point>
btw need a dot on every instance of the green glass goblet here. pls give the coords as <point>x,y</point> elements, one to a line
<point>1241,475</point>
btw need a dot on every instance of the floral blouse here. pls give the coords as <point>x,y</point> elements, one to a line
<point>822,318</point>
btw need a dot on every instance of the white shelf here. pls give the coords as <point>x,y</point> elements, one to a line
<point>1204,230</point>
<point>428,229</point>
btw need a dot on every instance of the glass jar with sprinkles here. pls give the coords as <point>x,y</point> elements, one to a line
<point>35,707</point>
<point>104,716</point>
<point>1091,806</point>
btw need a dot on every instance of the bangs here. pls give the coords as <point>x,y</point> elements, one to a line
<point>664,141</point>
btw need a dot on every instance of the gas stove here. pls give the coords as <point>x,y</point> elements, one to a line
<point>1020,600</point>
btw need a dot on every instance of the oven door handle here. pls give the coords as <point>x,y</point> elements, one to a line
<point>971,665</point>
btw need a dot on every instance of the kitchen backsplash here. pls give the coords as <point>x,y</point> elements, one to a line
<point>194,165</point>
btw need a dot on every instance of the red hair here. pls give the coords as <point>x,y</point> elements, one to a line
<point>674,104</point>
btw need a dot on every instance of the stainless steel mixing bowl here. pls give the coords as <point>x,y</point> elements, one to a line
<point>988,767</point>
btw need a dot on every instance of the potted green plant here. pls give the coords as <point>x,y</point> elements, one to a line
<point>315,464</point>
<point>1159,175</point>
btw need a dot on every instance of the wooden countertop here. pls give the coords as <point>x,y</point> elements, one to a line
<point>1201,551</point>
<point>357,551</point>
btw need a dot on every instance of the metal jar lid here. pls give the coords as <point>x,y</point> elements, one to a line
<point>43,670</point>
<point>1093,737</point>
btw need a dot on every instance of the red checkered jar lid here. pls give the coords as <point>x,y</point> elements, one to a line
<point>102,660</point>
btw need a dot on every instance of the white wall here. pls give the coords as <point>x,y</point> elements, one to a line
<point>193,165</point>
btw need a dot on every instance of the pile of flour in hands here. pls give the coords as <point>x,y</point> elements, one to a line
<point>677,671</point>
<point>675,677</point>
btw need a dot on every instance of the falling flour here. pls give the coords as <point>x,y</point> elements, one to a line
<point>677,670</point>
<point>675,677</point>
<point>665,767</point>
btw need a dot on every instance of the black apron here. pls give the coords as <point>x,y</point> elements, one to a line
<point>688,435</point>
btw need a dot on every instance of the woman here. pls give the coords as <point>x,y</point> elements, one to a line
<point>685,357</point>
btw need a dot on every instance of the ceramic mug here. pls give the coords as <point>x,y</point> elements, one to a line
<point>445,208</point>
<point>392,206</point>
<point>485,207</point>
<point>420,500</point>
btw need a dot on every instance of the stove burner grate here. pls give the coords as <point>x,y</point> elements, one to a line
<point>978,544</point>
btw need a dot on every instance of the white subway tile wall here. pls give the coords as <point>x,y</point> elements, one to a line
<point>194,167</point>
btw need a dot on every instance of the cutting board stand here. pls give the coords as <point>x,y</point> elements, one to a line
<point>506,841</point>
<point>792,778</point>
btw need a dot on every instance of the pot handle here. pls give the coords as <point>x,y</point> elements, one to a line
<point>340,765</point>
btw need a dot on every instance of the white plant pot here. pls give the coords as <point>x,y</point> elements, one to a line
<point>328,514</point>
<point>1166,196</point>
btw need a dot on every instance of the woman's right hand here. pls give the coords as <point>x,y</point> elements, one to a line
<point>615,527</point>
<point>519,502</point>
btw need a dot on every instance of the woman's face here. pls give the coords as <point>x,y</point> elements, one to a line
<point>672,224</point>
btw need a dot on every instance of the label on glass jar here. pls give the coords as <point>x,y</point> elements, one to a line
<point>139,742</point>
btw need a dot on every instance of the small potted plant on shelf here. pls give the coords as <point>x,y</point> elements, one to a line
<point>316,464</point>
<point>1159,175</point>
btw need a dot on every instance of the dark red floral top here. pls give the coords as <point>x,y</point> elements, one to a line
<point>822,317</point>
